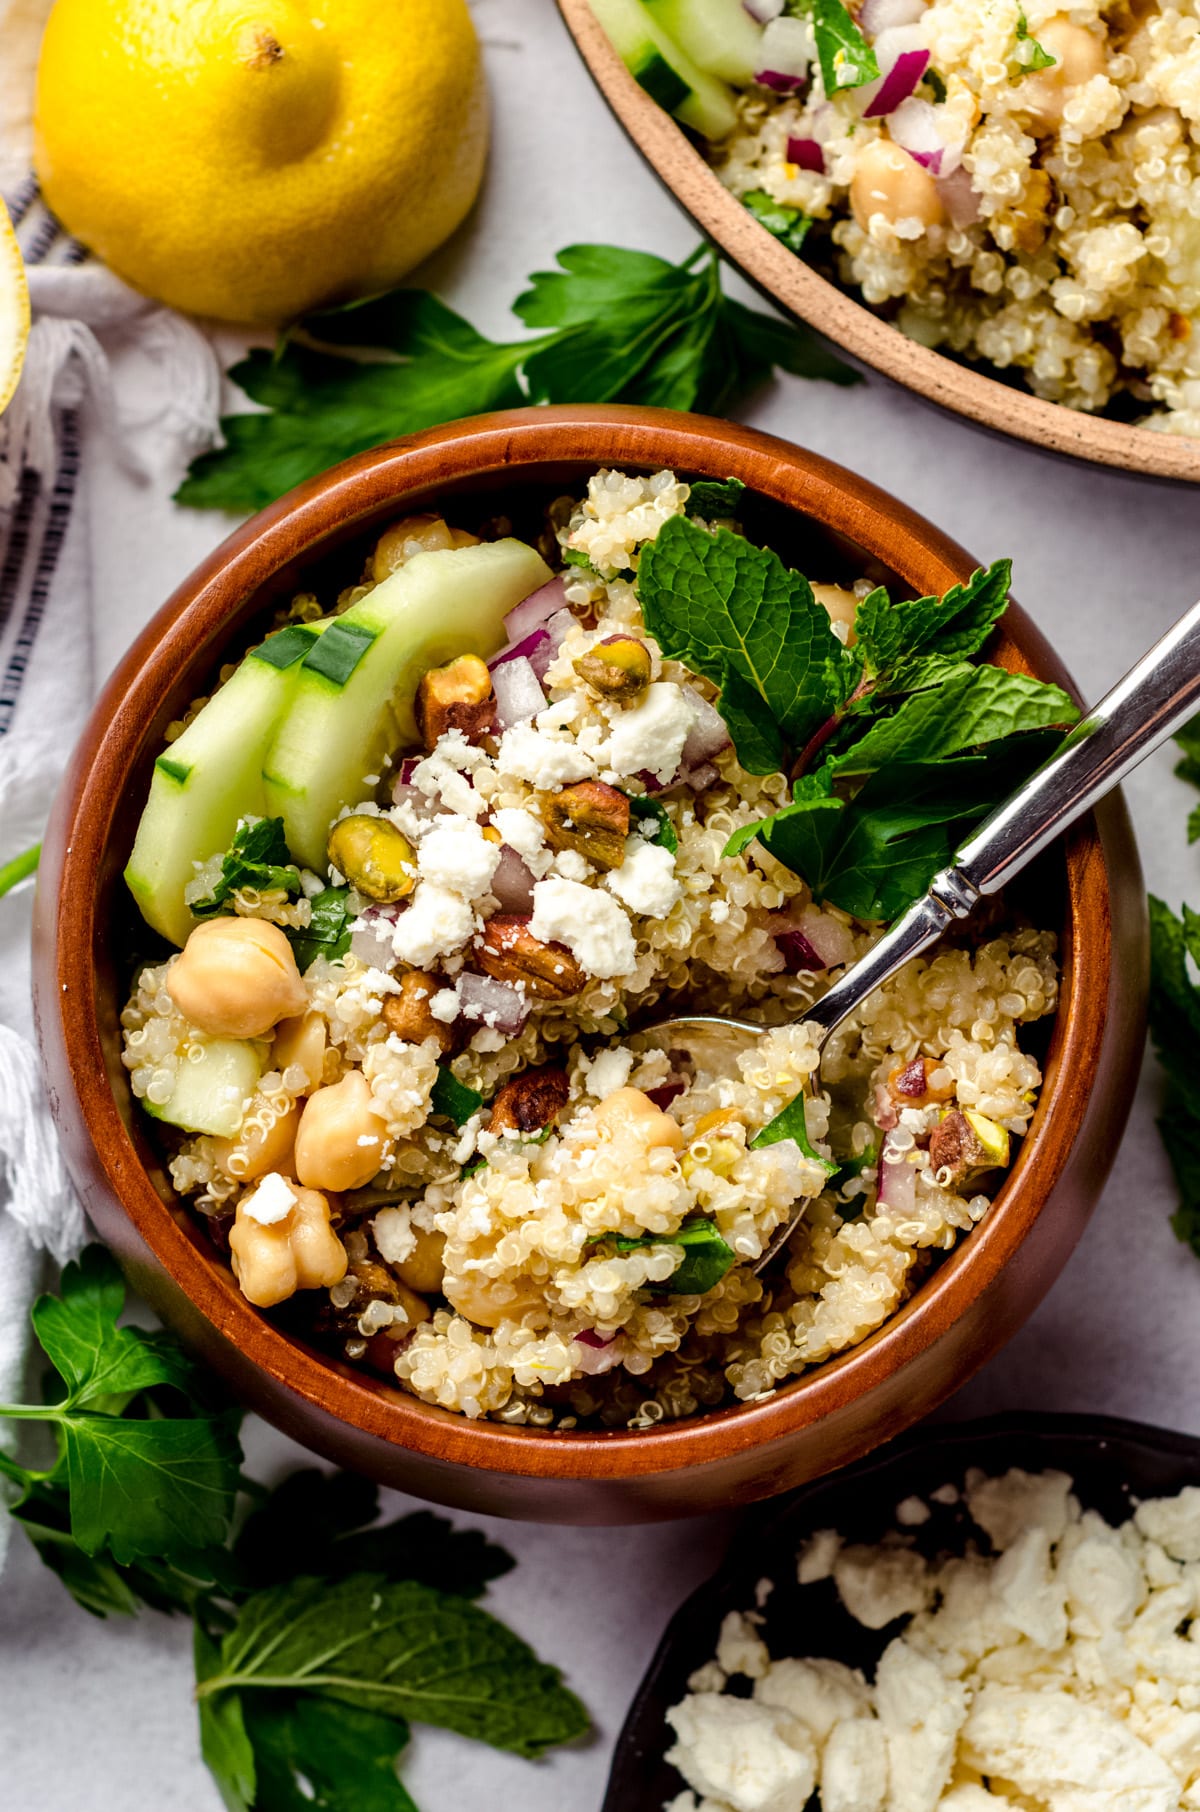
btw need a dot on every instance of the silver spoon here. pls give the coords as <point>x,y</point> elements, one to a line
<point>1142,710</point>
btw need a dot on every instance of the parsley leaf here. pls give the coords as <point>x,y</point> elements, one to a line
<point>257,858</point>
<point>453,1098</point>
<point>712,497</point>
<point>787,224</point>
<point>1189,769</point>
<point>1175,1031</point>
<point>313,1756</point>
<point>706,1256</point>
<point>327,932</point>
<point>154,1487</point>
<point>791,1122</point>
<point>400,1650</point>
<point>612,325</point>
<point>846,59</point>
<point>224,1741</point>
<point>664,830</point>
<point>1030,55</point>
<point>734,612</point>
<point>95,1358</point>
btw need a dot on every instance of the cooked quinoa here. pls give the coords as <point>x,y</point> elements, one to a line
<point>1053,228</point>
<point>520,1264</point>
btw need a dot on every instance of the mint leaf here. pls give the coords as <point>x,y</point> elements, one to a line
<point>811,793</point>
<point>846,59</point>
<point>150,1488</point>
<point>258,859</point>
<point>787,224</point>
<point>757,739</point>
<point>224,1743</point>
<point>730,609</point>
<point>618,326</point>
<point>709,497</point>
<point>664,830</point>
<point>453,1098</point>
<point>404,1651</point>
<point>791,1123</point>
<point>314,1756</point>
<point>982,705</point>
<point>953,626</point>
<point>327,932</point>
<point>1030,54</point>
<point>706,1256</point>
<point>325,1520</point>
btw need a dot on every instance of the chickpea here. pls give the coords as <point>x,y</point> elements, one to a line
<point>258,1149</point>
<point>414,535</point>
<point>629,1110</point>
<point>841,604</point>
<point>236,978</point>
<point>341,1138</point>
<point>424,1267</point>
<point>299,1252</point>
<point>1043,95</point>
<point>888,181</point>
<point>487,1301</point>
<point>300,1044</point>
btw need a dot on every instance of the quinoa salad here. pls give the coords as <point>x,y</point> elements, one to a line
<point>1011,181</point>
<point>429,855</point>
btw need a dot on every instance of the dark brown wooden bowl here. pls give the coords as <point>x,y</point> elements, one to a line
<point>868,339</point>
<point>85,924</point>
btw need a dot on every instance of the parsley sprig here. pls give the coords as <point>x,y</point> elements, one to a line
<point>609,325</point>
<point>846,59</point>
<point>1175,1020</point>
<point>258,859</point>
<point>318,1632</point>
<point>896,746</point>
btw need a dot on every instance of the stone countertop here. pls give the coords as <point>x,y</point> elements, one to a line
<point>99,1715</point>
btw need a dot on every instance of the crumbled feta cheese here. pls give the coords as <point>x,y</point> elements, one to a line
<point>877,1585</point>
<point>912,1512</point>
<point>922,1712</point>
<point>526,753</point>
<point>442,774</point>
<point>1065,1754</point>
<point>649,736</point>
<point>435,923</point>
<point>1026,1586</point>
<point>572,865</point>
<point>1173,1522</point>
<point>271,1202</point>
<point>608,1071</point>
<point>817,1692</point>
<point>457,855</point>
<point>735,1752</point>
<point>520,829</point>
<point>1006,1506</point>
<point>394,1234</point>
<point>646,880</point>
<point>854,1767</point>
<point>816,1557</point>
<point>740,1648</point>
<point>589,922</point>
<point>444,1005</point>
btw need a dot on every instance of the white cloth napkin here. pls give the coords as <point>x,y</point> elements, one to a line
<point>80,312</point>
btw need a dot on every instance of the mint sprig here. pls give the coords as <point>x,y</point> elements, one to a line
<point>257,859</point>
<point>846,59</point>
<point>897,746</point>
<point>608,325</point>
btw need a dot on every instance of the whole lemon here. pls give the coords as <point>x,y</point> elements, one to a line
<point>253,159</point>
<point>14,310</point>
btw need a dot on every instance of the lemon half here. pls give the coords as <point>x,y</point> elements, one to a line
<point>14,310</point>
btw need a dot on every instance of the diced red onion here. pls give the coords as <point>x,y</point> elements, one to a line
<point>830,937</point>
<point>664,1095</point>
<point>534,610</point>
<point>875,16</point>
<point>560,625</point>
<point>526,649</point>
<point>518,690</point>
<point>495,1003</point>
<point>898,83</point>
<point>371,941</point>
<point>806,153</point>
<point>596,1359</point>
<point>887,1114</point>
<point>698,778</point>
<point>589,1337</point>
<point>897,1177</point>
<point>422,805</point>
<point>911,1080</point>
<point>798,954</point>
<point>776,80</point>
<point>408,768</point>
<point>785,56</point>
<point>708,735</point>
<point>512,882</point>
<point>958,197</point>
<point>763,11</point>
<point>914,127</point>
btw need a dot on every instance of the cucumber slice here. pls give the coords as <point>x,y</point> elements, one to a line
<point>645,47</point>
<point>718,35</point>
<point>210,777</point>
<point>212,1089</point>
<point>353,702</point>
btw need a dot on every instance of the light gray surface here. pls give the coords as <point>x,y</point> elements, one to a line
<point>96,1716</point>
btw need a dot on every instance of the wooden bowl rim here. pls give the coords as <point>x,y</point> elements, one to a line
<point>799,289</point>
<point>187,631</point>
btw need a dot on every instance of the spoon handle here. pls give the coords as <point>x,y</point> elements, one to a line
<point>1155,697</point>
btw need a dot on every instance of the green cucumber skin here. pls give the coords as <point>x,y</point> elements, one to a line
<point>333,735</point>
<point>209,778</point>
<point>210,1095</point>
<point>636,34</point>
<point>719,35</point>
